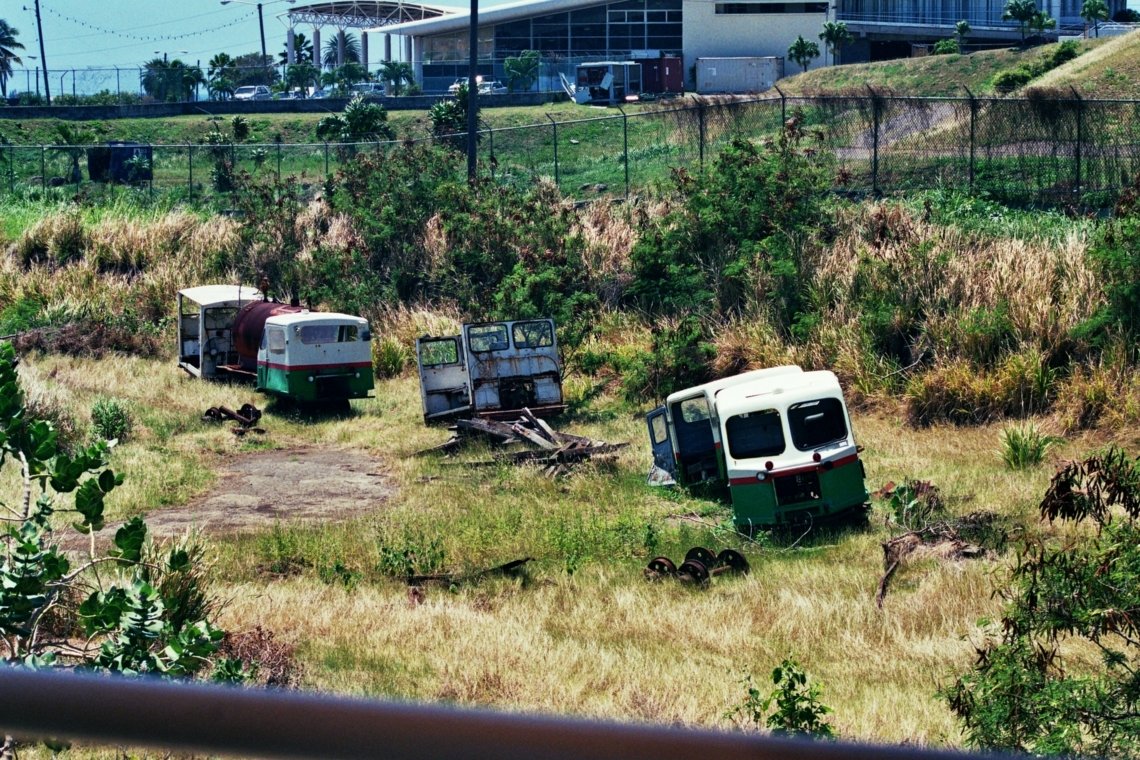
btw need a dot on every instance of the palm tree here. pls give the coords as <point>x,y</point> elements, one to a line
<point>397,72</point>
<point>1021,11</point>
<point>71,141</point>
<point>961,30</point>
<point>1095,11</point>
<point>170,81</point>
<point>803,51</point>
<point>835,35</point>
<point>302,50</point>
<point>8,48</point>
<point>222,76</point>
<point>351,50</point>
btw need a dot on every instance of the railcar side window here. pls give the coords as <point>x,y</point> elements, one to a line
<point>693,409</point>
<point>755,434</point>
<point>659,429</point>
<point>348,333</point>
<point>533,334</point>
<point>275,338</point>
<point>434,353</point>
<point>817,423</point>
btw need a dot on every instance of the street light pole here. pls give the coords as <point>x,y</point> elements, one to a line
<point>43,56</point>
<point>473,92</point>
<point>261,26</point>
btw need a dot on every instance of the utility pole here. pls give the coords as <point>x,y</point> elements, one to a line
<point>43,57</point>
<point>473,92</point>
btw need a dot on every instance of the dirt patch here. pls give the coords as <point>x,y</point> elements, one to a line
<point>293,485</point>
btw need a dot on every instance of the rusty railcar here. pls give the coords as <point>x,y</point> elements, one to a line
<point>491,369</point>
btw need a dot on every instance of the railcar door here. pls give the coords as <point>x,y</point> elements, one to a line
<point>445,387</point>
<point>660,441</point>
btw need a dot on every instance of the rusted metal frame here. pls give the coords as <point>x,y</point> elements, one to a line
<point>277,724</point>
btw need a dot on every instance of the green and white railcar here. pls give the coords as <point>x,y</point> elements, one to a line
<point>312,356</point>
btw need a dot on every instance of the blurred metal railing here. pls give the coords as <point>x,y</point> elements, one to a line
<point>277,724</point>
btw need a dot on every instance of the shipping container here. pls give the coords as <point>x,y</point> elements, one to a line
<point>661,74</point>
<point>738,75</point>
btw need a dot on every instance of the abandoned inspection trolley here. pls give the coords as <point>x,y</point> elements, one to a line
<point>289,351</point>
<point>780,439</point>
<point>491,369</point>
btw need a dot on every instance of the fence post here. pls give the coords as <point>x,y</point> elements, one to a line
<point>190,166</point>
<point>279,162</point>
<point>491,147</point>
<point>973,134</point>
<point>43,168</point>
<point>1080,129</point>
<point>326,159</point>
<point>783,105</point>
<point>874,141</point>
<point>701,132</point>
<point>625,147</point>
<point>552,121</point>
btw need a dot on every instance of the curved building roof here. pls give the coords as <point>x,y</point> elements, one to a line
<point>363,14</point>
<point>453,21</point>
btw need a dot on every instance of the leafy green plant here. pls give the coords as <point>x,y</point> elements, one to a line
<point>1066,596</point>
<point>945,47</point>
<point>914,505</point>
<point>110,419</point>
<point>142,612</point>
<point>1025,446</point>
<point>412,553</point>
<point>794,702</point>
<point>521,70</point>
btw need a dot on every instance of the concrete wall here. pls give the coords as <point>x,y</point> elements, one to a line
<point>707,35</point>
<point>225,108</point>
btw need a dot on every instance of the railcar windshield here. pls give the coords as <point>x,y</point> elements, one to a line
<point>488,338</point>
<point>817,423</point>
<point>755,434</point>
<point>533,334</point>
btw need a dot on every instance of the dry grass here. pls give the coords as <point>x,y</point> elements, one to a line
<point>1108,71</point>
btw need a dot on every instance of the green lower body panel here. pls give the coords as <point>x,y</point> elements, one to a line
<point>307,385</point>
<point>818,494</point>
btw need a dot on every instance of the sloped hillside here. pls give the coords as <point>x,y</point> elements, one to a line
<point>931,76</point>
<point>1110,71</point>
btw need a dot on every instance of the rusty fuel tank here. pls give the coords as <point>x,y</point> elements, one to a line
<point>249,324</point>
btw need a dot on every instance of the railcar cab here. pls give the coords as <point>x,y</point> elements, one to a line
<point>205,326</point>
<point>491,369</point>
<point>313,356</point>
<point>789,451</point>
<point>685,433</point>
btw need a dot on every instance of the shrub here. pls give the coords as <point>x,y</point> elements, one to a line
<point>945,47</point>
<point>795,704</point>
<point>390,357</point>
<point>1009,80</point>
<point>1071,592</point>
<point>680,358</point>
<point>1025,446</point>
<point>110,419</point>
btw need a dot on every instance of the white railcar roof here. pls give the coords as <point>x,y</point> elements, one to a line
<point>314,317</point>
<point>744,378</point>
<point>780,391</point>
<point>216,295</point>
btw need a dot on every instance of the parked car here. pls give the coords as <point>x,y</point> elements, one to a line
<point>494,87</point>
<point>252,92</point>
<point>318,93</point>
<point>462,81</point>
<point>368,89</point>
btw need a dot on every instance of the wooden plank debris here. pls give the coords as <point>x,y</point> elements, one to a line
<point>555,452</point>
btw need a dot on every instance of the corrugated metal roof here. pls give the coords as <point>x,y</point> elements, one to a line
<point>500,14</point>
<point>210,295</point>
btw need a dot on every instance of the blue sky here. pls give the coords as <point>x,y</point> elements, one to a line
<point>127,33</point>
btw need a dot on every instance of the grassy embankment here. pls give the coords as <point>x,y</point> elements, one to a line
<point>585,633</point>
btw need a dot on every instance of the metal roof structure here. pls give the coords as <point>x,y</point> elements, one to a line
<point>456,20</point>
<point>362,13</point>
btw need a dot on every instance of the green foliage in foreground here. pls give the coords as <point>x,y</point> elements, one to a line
<point>1060,677</point>
<point>147,615</point>
<point>794,702</point>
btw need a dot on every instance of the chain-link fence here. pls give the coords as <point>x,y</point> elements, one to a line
<point>1042,150</point>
